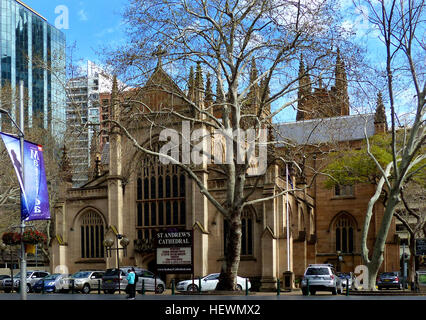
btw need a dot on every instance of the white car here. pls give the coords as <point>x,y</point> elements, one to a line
<point>209,283</point>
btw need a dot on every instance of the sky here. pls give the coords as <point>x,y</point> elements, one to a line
<point>91,23</point>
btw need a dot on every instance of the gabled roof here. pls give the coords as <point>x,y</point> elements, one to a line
<point>160,78</point>
<point>326,130</point>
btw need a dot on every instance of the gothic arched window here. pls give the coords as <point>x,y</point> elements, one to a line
<point>91,235</point>
<point>344,232</point>
<point>160,198</point>
<point>246,233</point>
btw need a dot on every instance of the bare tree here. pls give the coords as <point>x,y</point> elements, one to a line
<point>401,25</point>
<point>35,131</point>
<point>412,216</point>
<point>251,50</point>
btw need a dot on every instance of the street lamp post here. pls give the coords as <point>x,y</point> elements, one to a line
<point>23,272</point>
<point>108,243</point>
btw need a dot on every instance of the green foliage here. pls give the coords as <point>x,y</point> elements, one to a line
<point>348,167</point>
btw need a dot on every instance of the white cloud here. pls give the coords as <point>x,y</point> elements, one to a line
<point>83,15</point>
<point>105,32</point>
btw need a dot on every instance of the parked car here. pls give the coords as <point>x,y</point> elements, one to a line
<point>389,280</point>
<point>321,277</point>
<point>111,281</point>
<point>52,283</point>
<point>84,281</point>
<point>3,277</point>
<point>33,276</point>
<point>209,283</point>
<point>346,277</point>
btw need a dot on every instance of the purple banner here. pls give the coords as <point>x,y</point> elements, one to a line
<point>35,196</point>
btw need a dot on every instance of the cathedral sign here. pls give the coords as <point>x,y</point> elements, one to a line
<point>175,252</point>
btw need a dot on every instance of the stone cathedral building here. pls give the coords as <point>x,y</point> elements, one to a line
<point>135,195</point>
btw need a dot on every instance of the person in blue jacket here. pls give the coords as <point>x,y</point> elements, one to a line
<point>131,284</point>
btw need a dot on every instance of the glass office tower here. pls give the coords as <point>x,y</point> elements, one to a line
<point>33,51</point>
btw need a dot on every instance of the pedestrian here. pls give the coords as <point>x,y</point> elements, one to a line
<point>131,284</point>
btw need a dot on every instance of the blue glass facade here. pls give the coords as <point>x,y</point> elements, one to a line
<point>32,50</point>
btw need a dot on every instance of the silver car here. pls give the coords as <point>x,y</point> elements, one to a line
<point>2,278</point>
<point>321,277</point>
<point>33,276</point>
<point>147,281</point>
<point>348,278</point>
<point>85,281</point>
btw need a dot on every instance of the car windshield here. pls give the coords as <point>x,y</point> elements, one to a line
<point>389,274</point>
<point>52,277</point>
<point>317,271</point>
<point>81,274</point>
<point>344,276</point>
<point>112,272</point>
<point>19,274</point>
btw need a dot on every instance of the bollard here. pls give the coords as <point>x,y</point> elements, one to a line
<point>173,287</point>
<point>347,287</point>
<point>278,287</point>
<point>143,287</point>
<point>307,286</point>
<point>247,290</point>
<point>99,286</point>
<point>199,285</point>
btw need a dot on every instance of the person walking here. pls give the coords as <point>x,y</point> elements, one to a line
<point>131,284</point>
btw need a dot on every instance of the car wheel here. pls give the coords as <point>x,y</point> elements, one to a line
<point>109,291</point>
<point>86,289</point>
<point>160,289</point>
<point>7,290</point>
<point>334,291</point>
<point>192,288</point>
<point>305,291</point>
<point>28,288</point>
<point>312,292</point>
<point>239,287</point>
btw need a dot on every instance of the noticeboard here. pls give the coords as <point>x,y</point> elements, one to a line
<point>174,252</point>
<point>420,247</point>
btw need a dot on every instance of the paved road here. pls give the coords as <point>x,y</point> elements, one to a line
<point>259,306</point>
<point>167,296</point>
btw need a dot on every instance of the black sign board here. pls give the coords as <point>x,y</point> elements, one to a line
<point>175,252</point>
<point>420,247</point>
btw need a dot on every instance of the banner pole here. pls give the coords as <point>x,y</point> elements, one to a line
<point>23,286</point>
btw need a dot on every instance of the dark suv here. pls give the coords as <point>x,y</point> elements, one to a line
<point>389,280</point>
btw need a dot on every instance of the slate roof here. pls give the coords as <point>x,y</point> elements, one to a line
<point>326,130</point>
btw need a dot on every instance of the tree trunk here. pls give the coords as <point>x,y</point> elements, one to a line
<point>228,276</point>
<point>373,270</point>
<point>379,247</point>
<point>412,263</point>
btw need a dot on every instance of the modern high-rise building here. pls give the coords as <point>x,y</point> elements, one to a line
<point>83,117</point>
<point>33,51</point>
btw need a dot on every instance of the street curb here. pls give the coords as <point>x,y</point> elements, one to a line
<point>385,293</point>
